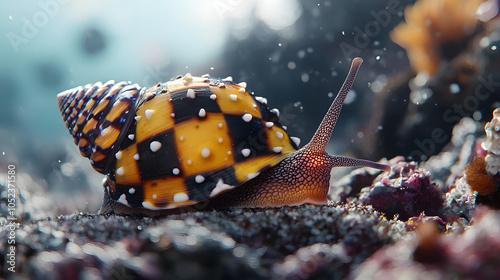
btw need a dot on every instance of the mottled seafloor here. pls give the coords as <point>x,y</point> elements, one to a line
<point>426,227</point>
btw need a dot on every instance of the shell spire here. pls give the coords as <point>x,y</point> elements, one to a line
<point>97,116</point>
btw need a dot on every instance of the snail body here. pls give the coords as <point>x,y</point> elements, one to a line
<point>198,141</point>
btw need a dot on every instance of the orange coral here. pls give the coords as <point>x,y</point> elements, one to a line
<point>430,24</point>
<point>478,179</point>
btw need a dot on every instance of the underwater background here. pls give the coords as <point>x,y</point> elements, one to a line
<point>429,84</point>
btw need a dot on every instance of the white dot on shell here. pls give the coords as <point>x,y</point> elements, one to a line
<point>118,155</point>
<point>245,152</point>
<point>136,156</point>
<point>155,146</point>
<point>131,136</point>
<point>131,191</point>
<point>220,140</point>
<point>149,113</point>
<point>188,77</point>
<point>279,134</point>
<point>276,111</point>
<point>199,179</point>
<point>189,162</point>
<point>176,171</point>
<point>247,117</point>
<point>262,100</point>
<point>277,149</point>
<point>123,199</point>
<point>220,125</point>
<point>119,171</point>
<point>202,113</point>
<point>243,84</point>
<point>172,115</point>
<point>137,118</point>
<point>105,131</point>
<point>155,196</point>
<point>233,97</point>
<point>269,124</point>
<point>295,140</point>
<point>205,153</point>
<point>191,93</point>
<point>180,197</point>
<point>241,90</point>
<point>213,97</point>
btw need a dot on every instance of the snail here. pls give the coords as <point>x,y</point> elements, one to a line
<point>199,141</point>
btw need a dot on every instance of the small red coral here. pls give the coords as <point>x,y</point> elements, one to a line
<point>478,179</point>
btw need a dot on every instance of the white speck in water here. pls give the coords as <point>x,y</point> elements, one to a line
<point>360,134</point>
<point>494,48</point>
<point>330,94</point>
<point>301,54</point>
<point>454,88</point>
<point>377,57</point>
<point>304,77</point>
<point>477,116</point>
<point>291,65</point>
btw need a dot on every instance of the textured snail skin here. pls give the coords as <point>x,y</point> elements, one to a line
<point>302,177</point>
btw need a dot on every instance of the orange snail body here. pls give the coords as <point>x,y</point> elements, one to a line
<point>198,141</point>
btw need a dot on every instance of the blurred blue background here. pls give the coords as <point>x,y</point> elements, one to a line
<point>295,53</point>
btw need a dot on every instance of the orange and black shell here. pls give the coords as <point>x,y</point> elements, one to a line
<point>175,144</point>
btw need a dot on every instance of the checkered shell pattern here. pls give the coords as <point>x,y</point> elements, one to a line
<point>175,144</point>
